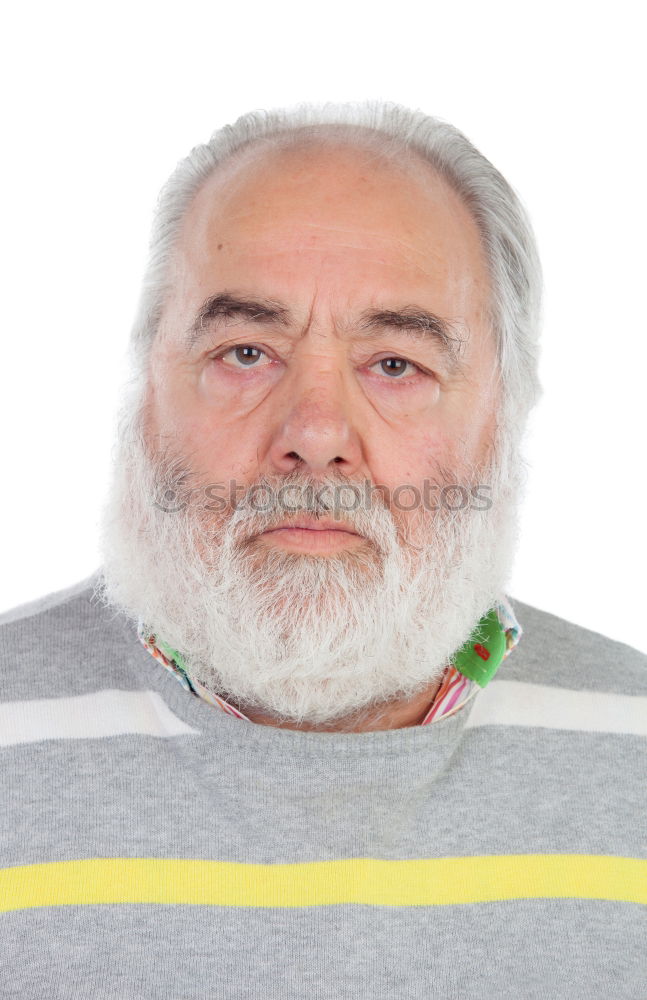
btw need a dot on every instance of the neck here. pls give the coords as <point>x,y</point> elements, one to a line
<point>396,715</point>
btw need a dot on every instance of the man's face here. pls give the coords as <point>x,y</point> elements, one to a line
<point>325,325</point>
<point>369,354</point>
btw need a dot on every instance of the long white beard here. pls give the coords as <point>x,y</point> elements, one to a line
<point>302,638</point>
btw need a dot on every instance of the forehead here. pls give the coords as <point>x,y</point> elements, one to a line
<point>335,219</point>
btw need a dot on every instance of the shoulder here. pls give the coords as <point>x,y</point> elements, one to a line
<point>553,650</point>
<point>50,602</point>
<point>58,642</point>
<point>60,614</point>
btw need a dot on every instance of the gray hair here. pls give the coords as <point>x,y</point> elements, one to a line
<point>506,235</point>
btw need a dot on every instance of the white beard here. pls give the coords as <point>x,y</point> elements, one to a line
<point>304,639</point>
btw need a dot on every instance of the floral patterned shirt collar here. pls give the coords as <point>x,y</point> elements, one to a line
<point>490,643</point>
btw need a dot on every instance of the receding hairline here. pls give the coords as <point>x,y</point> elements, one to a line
<point>380,147</point>
<point>392,152</point>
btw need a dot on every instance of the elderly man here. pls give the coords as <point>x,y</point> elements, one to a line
<point>283,742</point>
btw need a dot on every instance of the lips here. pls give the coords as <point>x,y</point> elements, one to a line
<point>313,524</point>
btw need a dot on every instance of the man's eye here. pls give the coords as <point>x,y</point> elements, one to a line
<point>243,356</point>
<point>395,367</point>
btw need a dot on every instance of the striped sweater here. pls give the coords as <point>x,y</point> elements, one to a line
<point>152,846</point>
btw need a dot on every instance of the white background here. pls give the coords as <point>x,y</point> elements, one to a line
<point>99,105</point>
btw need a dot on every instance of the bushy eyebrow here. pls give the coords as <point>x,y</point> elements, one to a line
<point>410,319</point>
<point>227,306</point>
<point>421,323</point>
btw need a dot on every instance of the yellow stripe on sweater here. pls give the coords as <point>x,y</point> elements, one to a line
<point>432,882</point>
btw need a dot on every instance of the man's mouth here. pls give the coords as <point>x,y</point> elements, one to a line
<point>304,533</point>
<point>308,523</point>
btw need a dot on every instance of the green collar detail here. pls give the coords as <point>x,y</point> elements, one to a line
<point>483,653</point>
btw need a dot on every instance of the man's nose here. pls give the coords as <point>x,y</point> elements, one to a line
<point>317,428</point>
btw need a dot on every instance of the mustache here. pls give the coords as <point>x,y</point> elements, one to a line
<point>270,503</point>
<point>246,510</point>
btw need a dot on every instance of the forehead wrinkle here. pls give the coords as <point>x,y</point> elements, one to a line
<point>424,261</point>
<point>310,323</point>
<point>374,234</point>
<point>260,241</point>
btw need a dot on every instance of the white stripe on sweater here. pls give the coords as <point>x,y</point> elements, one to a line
<point>515,703</point>
<point>89,716</point>
<point>502,703</point>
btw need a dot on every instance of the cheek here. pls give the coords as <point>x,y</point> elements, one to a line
<point>192,436</point>
<point>212,431</point>
<point>411,458</point>
<point>216,451</point>
<point>428,449</point>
